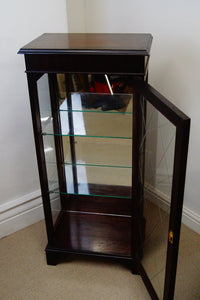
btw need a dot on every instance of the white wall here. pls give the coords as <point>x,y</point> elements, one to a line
<point>20,22</point>
<point>174,63</point>
<point>76,15</point>
<point>174,71</point>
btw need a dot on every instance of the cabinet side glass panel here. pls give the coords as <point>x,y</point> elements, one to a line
<point>49,144</point>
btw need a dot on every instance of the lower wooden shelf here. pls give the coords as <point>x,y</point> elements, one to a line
<point>96,233</point>
<point>93,225</point>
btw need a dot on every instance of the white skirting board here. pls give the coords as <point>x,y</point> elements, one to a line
<point>189,217</point>
<point>27,210</point>
<point>20,213</point>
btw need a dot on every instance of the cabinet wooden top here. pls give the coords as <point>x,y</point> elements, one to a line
<point>89,43</point>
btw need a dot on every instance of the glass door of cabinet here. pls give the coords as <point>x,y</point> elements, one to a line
<point>164,136</point>
<point>97,157</point>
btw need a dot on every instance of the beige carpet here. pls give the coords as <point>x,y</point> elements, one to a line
<point>25,274</point>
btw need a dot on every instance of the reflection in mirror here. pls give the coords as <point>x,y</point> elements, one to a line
<point>103,149</point>
<point>156,158</point>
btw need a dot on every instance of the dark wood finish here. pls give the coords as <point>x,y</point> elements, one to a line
<point>65,43</point>
<point>97,233</point>
<point>100,204</point>
<point>84,63</point>
<point>77,53</point>
<point>72,142</point>
<point>182,123</point>
<point>162,104</point>
<point>136,221</point>
<point>116,228</point>
<point>69,89</point>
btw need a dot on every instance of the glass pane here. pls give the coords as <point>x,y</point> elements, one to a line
<point>50,157</point>
<point>44,103</point>
<point>102,152</point>
<point>96,180</point>
<point>48,141</point>
<point>94,122</point>
<point>157,158</point>
<point>98,103</point>
<point>92,166</point>
<point>99,181</point>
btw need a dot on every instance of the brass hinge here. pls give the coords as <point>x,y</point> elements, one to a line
<point>171,237</point>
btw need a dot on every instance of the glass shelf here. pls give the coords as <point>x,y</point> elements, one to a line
<point>81,122</point>
<point>96,111</point>
<point>90,136</point>
<point>98,103</point>
<point>96,152</point>
<point>107,181</point>
<point>93,193</point>
<point>95,165</point>
<point>88,165</point>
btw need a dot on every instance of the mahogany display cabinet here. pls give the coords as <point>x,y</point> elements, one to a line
<point>90,102</point>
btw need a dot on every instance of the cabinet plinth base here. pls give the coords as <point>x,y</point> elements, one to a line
<point>56,256</point>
